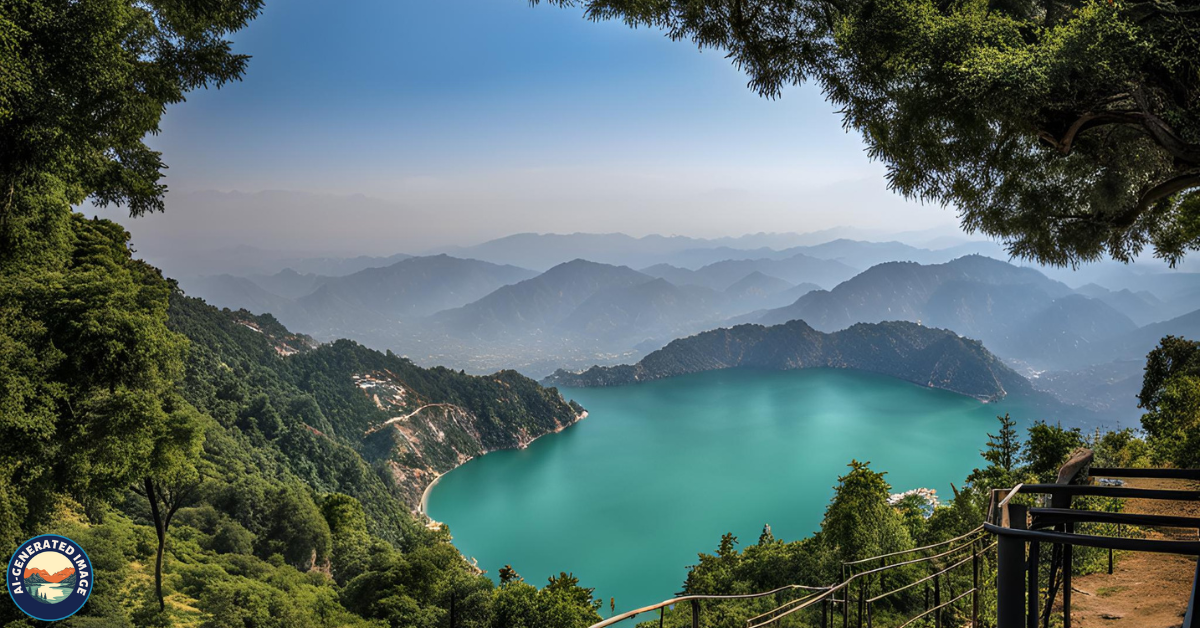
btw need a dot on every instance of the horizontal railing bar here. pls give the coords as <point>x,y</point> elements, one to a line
<point>930,576</point>
<point>808,602</point>
<point>1060,515</point>
<point>938,607</point>
<point>1016,489</point>
<point>856,576</point>
<point>1166,474</point>
<point>687,598</point>
<point>1187,548</point>
<point>1111,491</point>
<point>781,607</point>
<point>821,592</point>
<point>911,562</point>
<point>925,579</point>
<point>917,549</point>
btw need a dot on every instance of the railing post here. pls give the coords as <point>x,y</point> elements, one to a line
<point>862,597</point>
<point>1067,567</point>
<point>846,606</point>
<point>1010,573</point>
<point>695,613</point>
<point>1035,550</point>
<point>937,601</point>
<point>1190,619</point>
<point>1068,473</point>
<point>975,584</point>
<point>845,599</point>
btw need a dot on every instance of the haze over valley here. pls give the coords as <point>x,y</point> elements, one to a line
<point>541,303</point>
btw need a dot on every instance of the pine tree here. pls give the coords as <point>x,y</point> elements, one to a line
<point>1004,449</point>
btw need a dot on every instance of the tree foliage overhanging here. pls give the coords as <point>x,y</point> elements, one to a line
<point>1068,128</point>
<point>82,84</point>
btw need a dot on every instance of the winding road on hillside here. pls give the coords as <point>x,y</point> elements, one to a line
<point>405,417</point>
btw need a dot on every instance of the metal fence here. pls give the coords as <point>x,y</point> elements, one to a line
<point>1022,532</point>
<point>1016,532</point>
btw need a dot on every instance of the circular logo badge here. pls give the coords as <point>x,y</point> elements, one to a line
<point>50,577</point>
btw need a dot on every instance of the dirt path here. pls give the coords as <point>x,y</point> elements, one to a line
<point>1145,590</point>
<point>406,417</point>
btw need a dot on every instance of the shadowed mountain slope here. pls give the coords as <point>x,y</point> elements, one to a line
<point>922,355</point>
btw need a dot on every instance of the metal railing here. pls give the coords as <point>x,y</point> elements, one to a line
<point>1022,531</point>
<point>1009,529</point>
<point>695,600</point>
<point>967,549</point>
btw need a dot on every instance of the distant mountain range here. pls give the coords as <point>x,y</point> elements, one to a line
<point>370,299</point>
<point>539,303</point>
<point>543,251</point>
<point>929,357</point>
<point>480,316</point>
<point>41,576</point>
<point>410,289</point>
<point>798,268</point>
<point>1017,312</point>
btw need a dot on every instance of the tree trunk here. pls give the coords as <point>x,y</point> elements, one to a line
<point>160,530</point>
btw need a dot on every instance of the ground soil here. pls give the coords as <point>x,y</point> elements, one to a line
<point>1145,590</point>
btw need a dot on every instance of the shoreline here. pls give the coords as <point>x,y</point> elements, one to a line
<point>423,506</point>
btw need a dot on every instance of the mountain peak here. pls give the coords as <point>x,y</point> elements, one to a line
<point>58,576</point>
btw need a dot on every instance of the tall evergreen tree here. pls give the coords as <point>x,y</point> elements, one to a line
<point>1004,448</point>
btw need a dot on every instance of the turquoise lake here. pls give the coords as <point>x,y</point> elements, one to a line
<point>659,471</point>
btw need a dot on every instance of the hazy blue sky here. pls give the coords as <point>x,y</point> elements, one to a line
<point>462,120</point>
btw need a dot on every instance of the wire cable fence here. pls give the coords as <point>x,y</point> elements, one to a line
<point>978,578</point>
<point>923,586</point>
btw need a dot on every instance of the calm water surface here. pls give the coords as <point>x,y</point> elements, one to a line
<point>659,471</point>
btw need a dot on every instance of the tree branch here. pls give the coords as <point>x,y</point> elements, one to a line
<point>1089,120</point>
<point>1170,187</point>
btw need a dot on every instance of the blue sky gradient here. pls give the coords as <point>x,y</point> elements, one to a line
<point>480,118</point>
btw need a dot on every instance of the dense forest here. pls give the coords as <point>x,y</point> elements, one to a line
<point>136,418</point>
<point>222,471</point>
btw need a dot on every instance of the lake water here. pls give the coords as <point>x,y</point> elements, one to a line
<point>51,592</point>
<point>659,471</point>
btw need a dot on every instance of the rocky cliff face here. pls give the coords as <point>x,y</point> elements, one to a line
<point>929,357</point>
<point>341,414</point>
<point>424,440</point>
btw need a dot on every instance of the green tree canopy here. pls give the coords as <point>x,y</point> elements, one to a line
<point>1071,128</point>
<point>859,522</point>
<point>1171,397</point>
<point>1048,448</point>
<point>83,83</point>
<point>1004,448</point>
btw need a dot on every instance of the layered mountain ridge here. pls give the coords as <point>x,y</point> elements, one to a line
<point>936,358</point>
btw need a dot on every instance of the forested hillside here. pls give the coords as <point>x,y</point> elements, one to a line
<point>929,357</point>
<point>283,493</point>
<point>411,423</point>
